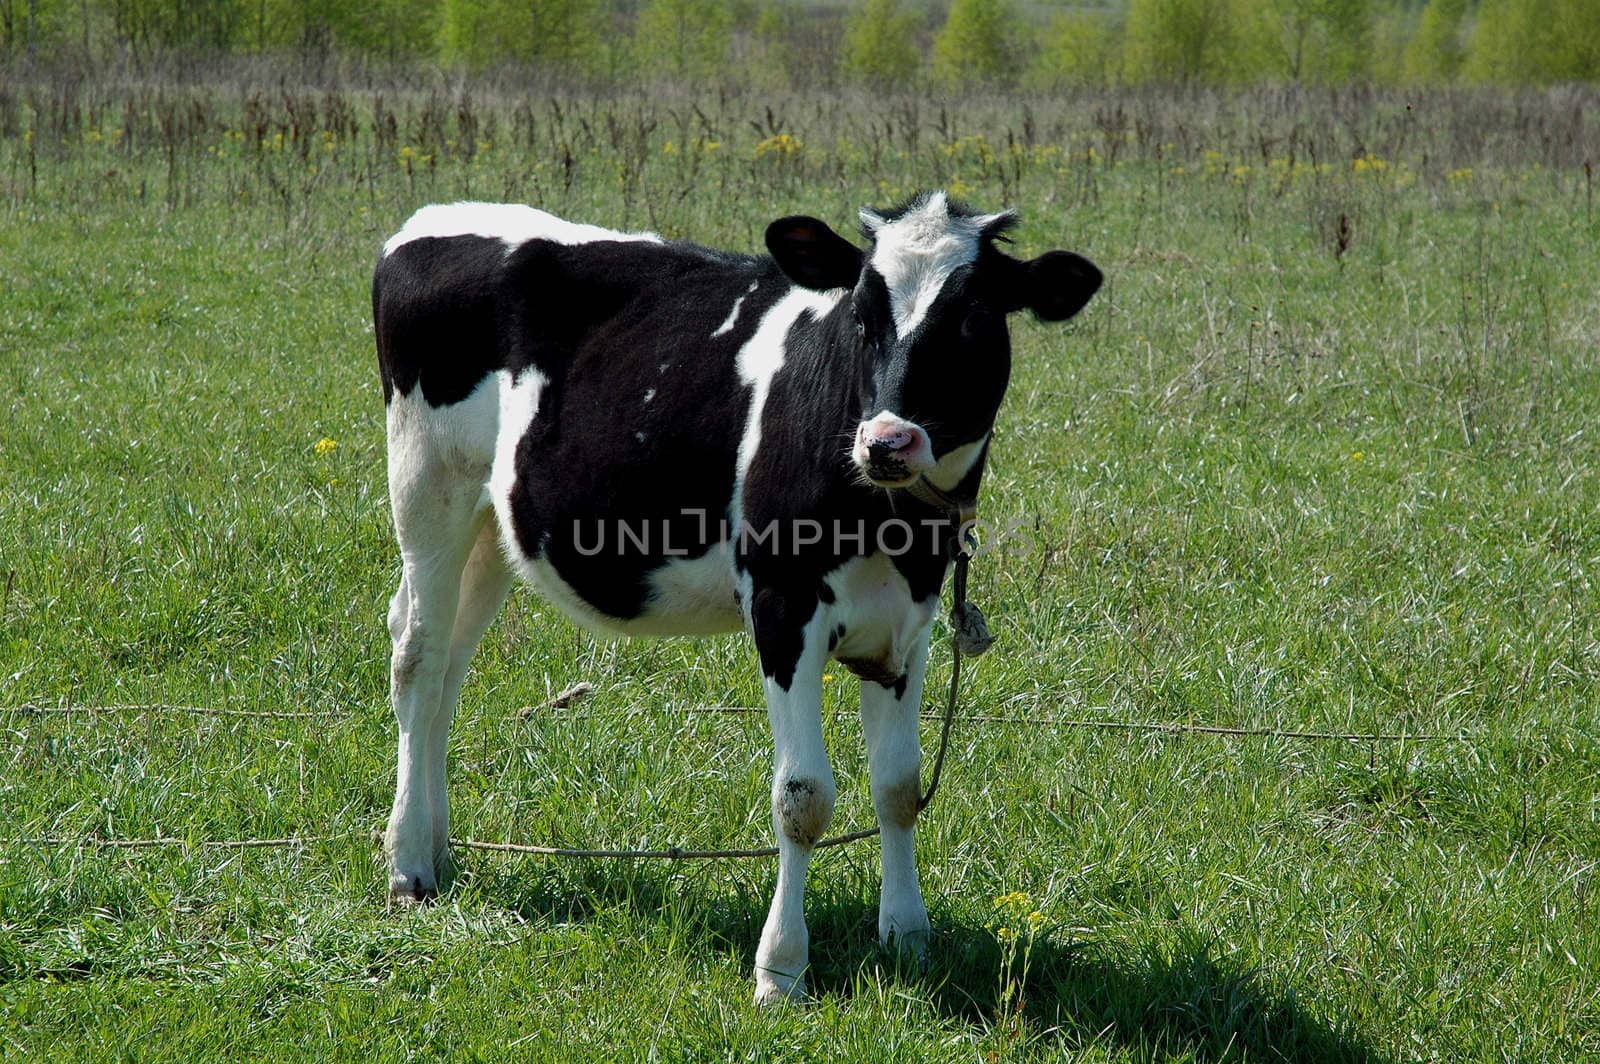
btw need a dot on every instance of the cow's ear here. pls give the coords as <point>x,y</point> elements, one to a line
<point>812,255</point>
<point>1056,285</point>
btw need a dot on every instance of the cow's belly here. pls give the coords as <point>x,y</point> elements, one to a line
<point>687,596</point>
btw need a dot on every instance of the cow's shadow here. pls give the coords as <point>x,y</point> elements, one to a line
<point>1180,999</point>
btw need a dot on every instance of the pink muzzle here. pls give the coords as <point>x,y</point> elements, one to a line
<point>891,451</point>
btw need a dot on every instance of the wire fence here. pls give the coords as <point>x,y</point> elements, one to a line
<point>564,700</point>
<point>1011,720</point>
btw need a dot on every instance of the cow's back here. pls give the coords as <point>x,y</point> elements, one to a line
<point>437,293</point>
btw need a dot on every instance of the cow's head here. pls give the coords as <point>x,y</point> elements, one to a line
<point>929,298</point>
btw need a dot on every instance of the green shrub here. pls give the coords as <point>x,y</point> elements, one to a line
<point>880,46</point>
<point>1435,53</point>
<point>1079,48</point>
<point>977,44</point>
<point>1317,41</point>
<point>683,38</point>
<point>1183,40</point>
<point>1535,42</point>
<point>549,33</point>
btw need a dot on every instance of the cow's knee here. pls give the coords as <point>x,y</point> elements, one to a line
<point>803,806</point>
<point>897,804</point>
<point>418,662</point>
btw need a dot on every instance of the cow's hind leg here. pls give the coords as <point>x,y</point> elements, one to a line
<point>484,585</point>
<point>894,758</point>
<point>438,513</point>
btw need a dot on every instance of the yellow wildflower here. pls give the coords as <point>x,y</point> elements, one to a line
<point>783,146</point>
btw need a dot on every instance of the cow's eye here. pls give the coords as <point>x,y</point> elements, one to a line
<point>976,322</point>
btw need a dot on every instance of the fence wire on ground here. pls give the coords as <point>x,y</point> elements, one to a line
<point>564,701</point>
<point>1018,720</point>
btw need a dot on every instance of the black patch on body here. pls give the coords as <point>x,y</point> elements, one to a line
<point>606,323</point>
<point>778,618</point>
<point>434,315</point>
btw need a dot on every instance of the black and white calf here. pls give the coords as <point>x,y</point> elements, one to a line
<point>666,439</point>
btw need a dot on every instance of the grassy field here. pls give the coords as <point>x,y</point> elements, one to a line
<point>1321,456</point>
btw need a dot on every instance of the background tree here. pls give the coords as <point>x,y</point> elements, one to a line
<point>1535,42</point>
<point>1312,40</point>
<point>1079,48</point>
<point>145,26</point>
<point>684,38</point>
<point>1436,51</point>
<point>789,45</point>
<point>469,31</point>
<point>386,29</point>
<point>1578,27</point>
<point>880,44</point>
<point>1182,40</point>
<point>976,44</point>
<point>547,33</point>
<point>565,32</point>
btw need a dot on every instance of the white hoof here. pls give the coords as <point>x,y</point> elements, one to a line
<point>906,934</point>
<point>412,890</point>
<point>773,989</point>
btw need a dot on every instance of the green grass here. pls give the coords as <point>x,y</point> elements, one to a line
<point>1265,483</point>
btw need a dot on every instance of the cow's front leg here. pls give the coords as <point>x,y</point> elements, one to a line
<point>788,638</point>
<point>894,758</point>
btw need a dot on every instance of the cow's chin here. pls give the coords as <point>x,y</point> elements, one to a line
<point>889,474</point>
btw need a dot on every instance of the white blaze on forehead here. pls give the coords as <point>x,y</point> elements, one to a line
<point>512,223</point>
<point>918,251</point>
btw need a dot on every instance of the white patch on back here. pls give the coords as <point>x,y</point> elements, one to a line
<point>512,223</point>
<point>917,252</point>
<point>733,316</point>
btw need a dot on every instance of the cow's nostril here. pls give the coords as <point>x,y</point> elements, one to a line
<point>898,441</point>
